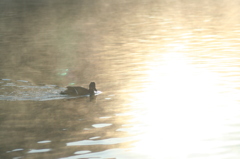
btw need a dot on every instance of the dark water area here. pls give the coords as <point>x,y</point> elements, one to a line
<point>44,129</point>
<point>167,75</point>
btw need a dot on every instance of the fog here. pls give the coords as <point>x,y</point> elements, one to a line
<point>167,72</point>
<point>40,37</point>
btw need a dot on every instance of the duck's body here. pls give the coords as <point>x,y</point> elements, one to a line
<point>77,90</point>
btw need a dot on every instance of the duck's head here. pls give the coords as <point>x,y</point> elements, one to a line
<point>92,87</point>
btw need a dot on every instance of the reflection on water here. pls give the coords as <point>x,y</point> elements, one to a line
<point>188,112</point>
<point>39,151</point>
<point>169,72</point>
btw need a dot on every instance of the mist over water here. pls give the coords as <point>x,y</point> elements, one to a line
<point>167,73</point>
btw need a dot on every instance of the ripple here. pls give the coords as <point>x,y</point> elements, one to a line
<point>39,150</point>
<point>17,150</point>
<point>96,137</point>
<point>109,141</point>
<point>9,84</point>
<point>22,81</point>
<point>105,117</point>
<point>81,152</point>
<point>111,153</point>
<point>6,79</point>
<point>124,114</point>
<point>101,125</point>
<point>45,141</point>
<point>123,129</point>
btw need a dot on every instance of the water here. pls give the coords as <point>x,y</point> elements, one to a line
<point>167,74</point>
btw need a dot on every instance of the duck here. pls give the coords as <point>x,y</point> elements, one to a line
<point>77,90</point>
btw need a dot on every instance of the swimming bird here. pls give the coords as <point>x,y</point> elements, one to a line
<point>77,90</point>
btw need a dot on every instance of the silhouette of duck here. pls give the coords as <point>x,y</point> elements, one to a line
<point>77,90</point>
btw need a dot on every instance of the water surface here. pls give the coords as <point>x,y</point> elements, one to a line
<point>167,74</point>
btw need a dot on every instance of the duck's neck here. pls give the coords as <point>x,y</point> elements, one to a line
<point>91,91</point>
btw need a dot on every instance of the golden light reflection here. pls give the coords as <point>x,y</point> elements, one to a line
<point>185,107</point>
